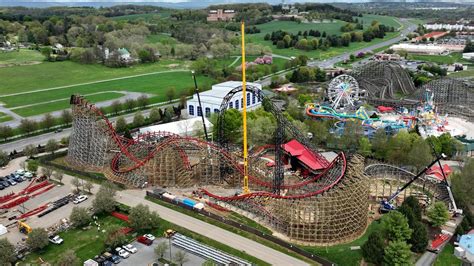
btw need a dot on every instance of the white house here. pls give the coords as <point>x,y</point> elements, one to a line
<point>211,100</point>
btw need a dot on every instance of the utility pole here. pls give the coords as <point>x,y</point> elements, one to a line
<point>200,106</point>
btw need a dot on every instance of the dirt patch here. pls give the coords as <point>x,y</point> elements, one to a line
<point>173,65</point>
<point>21,64</point>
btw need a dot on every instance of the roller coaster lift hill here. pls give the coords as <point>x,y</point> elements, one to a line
<point>386,206</point>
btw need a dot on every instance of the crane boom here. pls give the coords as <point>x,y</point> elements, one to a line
<point>385,205</point>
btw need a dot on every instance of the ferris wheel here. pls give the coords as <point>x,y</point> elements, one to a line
<point>343,91</point>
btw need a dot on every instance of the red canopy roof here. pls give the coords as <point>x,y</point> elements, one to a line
<point>298,150</point>
<point>436,171</point>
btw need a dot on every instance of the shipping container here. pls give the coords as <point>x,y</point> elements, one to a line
<point>189,202</point>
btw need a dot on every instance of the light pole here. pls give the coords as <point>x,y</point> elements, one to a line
<point>200,106</point>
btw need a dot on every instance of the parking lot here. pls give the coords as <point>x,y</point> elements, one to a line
<point>57,192</point>
<point>146,254</point>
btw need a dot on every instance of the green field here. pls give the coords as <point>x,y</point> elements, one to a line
<point>329,28</point>
<point>146,17</point>
<point>161,38</point>
<point>447,258</point>
<point>439,59</point>
<point>63,104</point>
<point>4,117</point>
<point>342,254</point>
<point>21,57</point>
<point>469,73</point>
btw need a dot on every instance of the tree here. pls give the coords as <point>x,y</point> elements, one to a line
<point>141,218</point>
<point>395,226</point>
<point>48,121</point>
<point>138,119</point>
<point>4,158</point>
<point>365,147</point>
<point>68,258</point>
<point>420,154</point>
<point>160,249</point>
<point>76,182</point>
<point>37,239</point>
<point>130,104</point>
<point>413,204</point>
<point>52,146</point>
<point>397,253</point>
<point>105,198</point>
<point>28,126</point>
<point>154,115</point>
<point>80,216</point>
<point>180,257</point>
<point>30,151</point>
<point>379,143</point>
<point>32,166</point>
<point>7,251</point>
<point>142,101</point>
<point>419,238</point>
<point>6,132</point>
<point>66,117</point>
<point>88,186</point>
<point>209,262</point>
<point>116,106</point>
<point>170,94</point>
<point>46,52</point>
<point>438,214</point>
<point>116,237</point>
<point>373,248</point>
<point>46,171</point>
<point>120,124</point>
<point>58,175</point>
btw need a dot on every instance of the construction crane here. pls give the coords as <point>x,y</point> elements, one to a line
<point>386,205</point>
<point>245,188</point>
<point>24,228</point>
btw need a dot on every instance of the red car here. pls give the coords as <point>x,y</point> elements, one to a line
<point>144,240</point>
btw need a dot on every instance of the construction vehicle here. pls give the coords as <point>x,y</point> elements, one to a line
<point>386,205</point>
<point>169,233</point>
<point>24,228</point>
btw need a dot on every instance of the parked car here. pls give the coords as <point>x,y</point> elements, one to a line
<point>5,183</point>
<point>144,240</point>
<point>20,172</point>
<point>18,179</point>
<point>79,199</point>
<point>115,259</point>
<point>122,252</point>
<point>28,175</point>
<point>11,182</point>
<point>150,236</point>
<point>55,239</point>
<point>130,248</point>
<point>1,186</point>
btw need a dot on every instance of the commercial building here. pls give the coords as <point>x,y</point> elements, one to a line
<point>185,128</point>
<point>221,15</point>
<point>419,48</point>
<point>450,27</point>
<point>435,35</point>
<point>211,100</point>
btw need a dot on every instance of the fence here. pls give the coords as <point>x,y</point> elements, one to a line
<point>247,229</point>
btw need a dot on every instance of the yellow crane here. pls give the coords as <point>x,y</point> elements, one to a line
<point>245,188</point>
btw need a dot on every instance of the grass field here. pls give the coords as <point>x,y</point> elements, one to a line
<point>342,254</point>
<point>329,28</point>
<point>21,57</point>
<point>161,38</point>
<point>63,104</point>
<point>439,59</point>
<point>4,117</point>
<point>447,258</point>
<point>146,17</point>
<point>464,74</point>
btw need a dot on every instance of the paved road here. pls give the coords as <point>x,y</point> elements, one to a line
<point>408,27</point>
<point>135,197</point>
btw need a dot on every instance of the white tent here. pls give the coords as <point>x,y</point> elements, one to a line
<point>90,262</point>
<point>3,229</point>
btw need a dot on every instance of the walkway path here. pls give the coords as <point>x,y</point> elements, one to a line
<point>135,197</point>
<point>235,61</point>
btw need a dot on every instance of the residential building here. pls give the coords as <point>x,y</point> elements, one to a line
<point>221,15</point>
<point>211,100</point>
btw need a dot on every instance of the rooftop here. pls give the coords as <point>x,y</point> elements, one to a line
<point>298,150</point>
<point>467,242</point>
<point>183,127</point>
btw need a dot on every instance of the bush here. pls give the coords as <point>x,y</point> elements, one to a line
<point>373,248</point>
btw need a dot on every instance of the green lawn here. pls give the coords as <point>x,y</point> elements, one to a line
<point>161,38</point>
<point>5,118</point>
<point>329,28</point>
<point>342,254</point>
<point>54,74</point>
<point>447,258</point>
<point>85,243</point>
<point>439,59</point>
<point>469,73</point>
<point>23,56</point>
<point>63,104</point>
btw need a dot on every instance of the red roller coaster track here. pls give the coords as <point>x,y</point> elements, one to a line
<point>173,141</point>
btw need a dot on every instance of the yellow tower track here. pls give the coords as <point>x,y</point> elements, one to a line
<point>245,188</point>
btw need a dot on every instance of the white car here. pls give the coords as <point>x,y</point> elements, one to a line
<point>150,236</point>
<point>130,248</point>
<point>28,175</point>
<point>20,171</point>
<point>79,199</point>
<point>56,240</point>
<point>122,252</point>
